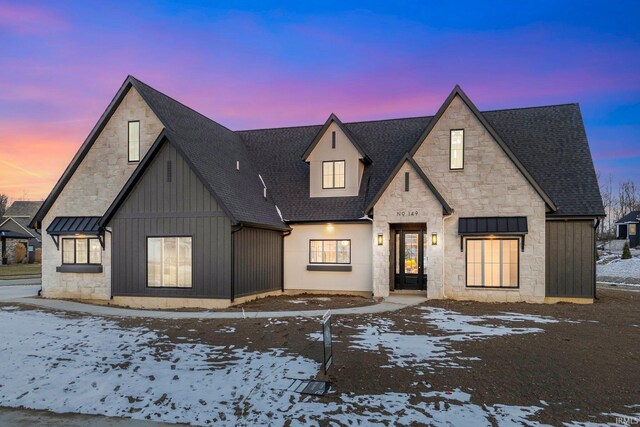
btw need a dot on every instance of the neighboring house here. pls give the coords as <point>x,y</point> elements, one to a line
<point>627,228</point>
<point>16,220</point>
<point>163,207</point>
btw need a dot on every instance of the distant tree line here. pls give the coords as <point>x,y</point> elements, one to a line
<point>617,202</point>
<point>4,200</point>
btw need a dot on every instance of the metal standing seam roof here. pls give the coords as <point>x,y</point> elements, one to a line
<point>493,225</point>
<point>71,225</point>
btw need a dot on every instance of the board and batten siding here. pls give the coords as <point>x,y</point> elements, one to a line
<point>181,207</point>
<point>570,259</point>
<point>257,256</point>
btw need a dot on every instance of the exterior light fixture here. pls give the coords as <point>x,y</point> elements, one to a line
<point>379,239</point>
<point>330,228</point>
<point>434,238</point>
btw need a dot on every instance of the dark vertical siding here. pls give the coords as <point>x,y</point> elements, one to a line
<point>183,206</point>
<point>257,256</point>
<point>570,259</point>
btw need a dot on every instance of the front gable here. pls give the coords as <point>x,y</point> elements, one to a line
<point>458,112</point>
<point>334,142</point>
<point>101,166</point>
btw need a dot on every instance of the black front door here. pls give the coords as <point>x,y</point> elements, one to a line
<point>409,259</point>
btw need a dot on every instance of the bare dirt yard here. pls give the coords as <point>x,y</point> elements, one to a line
<point>440,363</point>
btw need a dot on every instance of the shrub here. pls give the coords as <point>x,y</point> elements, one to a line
<point>626,253</point>
<point>21,253</point>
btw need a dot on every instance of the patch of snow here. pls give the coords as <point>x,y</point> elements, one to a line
<point>619,271</point>
<point>92,365</point>
<point>429,351</point>
<point>299,301</point>
<point>227,330</point>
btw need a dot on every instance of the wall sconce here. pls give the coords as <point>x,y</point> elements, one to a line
<point>379,239</point>
<point>434,238</point>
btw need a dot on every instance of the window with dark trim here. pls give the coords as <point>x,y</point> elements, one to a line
<point>134,141</point>
<point>81,251</point>
<point>169,262</point>
<point>493,263</point>
<point>333,174</point>
<point>330,251</point>
<point>456,149</point>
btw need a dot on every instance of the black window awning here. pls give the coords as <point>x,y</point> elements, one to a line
<point>75,226</point>
<point>488,225</point>
<point>493,226</point>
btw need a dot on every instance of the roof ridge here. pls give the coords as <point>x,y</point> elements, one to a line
<point>531,108</point>
<point>181,103</point>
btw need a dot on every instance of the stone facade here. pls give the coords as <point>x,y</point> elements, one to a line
<point>11,250</point>
<point>90,191</point>
<point>396,206</point>
<point>489,185</point>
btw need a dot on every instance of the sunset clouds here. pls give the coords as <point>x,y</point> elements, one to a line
<point>256,65</point>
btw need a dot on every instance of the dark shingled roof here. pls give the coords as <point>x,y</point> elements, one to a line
<point>549,141</point>
<point>630,217</point>
<point>212,150</point>
<point>23,208</point>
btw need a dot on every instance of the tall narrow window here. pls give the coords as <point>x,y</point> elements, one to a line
<point>406,181</point>
<point>169,262</point>
<point>492,263</point>
<point>333,139</point>
<point>134,141</point>
<point>333,174</point>
<point>456,156</point>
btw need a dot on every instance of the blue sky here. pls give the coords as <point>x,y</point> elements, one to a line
<point>262,64</point>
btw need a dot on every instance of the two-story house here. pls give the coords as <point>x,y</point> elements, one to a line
<point>163,207</point>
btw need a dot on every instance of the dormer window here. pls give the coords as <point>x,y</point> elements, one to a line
<point>333,174</point>
<point>456,157</point>
<point>134,141</point>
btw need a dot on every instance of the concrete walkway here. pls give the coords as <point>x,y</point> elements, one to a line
<point>14,282</point>
<point>391,303</point>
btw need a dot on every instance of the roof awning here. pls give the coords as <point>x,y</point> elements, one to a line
<point>493,226</point>
<point>75,226</point>
<point>8,234</point>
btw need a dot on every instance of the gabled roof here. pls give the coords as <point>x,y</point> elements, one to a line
<point>446,209</point>
<point>210,149</point>
<point>23,208</point>
<point>457,91</point>
<point>334,119</point>
<point>630,217</point>
<point>21,223</point>
<point>549,141</point>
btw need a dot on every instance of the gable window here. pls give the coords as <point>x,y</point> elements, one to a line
<point>330,251</point>
<point>169,262</point>
<point>333,174</point>
<point>81,251</point>
<point>134,141</point>
<point>456,151</point>
<point>492,263</point>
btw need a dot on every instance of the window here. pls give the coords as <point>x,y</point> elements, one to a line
<point>169,262</point>
<point>333,174</point>
<point>632,229</point>
<point>330,251</point>
<point>456,157</point>
<point>492,263</point>
<point>406,181</point>
<point>134,141</point>
<point>81,251</point>
<point>333,139</point>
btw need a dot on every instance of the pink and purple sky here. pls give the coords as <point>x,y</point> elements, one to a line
<point>255,64</point>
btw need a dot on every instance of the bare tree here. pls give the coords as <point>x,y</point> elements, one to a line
<point>4,200</point>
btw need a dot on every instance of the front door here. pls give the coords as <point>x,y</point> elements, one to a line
<point>409,259</point>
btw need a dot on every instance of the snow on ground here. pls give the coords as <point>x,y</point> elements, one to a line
<point>614,270</point>
<point>430,351</point>
<point>94,366</point>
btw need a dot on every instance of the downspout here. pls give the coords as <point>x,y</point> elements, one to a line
<point>110,231</point>
<point>233,261</point>
<point>595,255</point>
<point>284,234</point>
